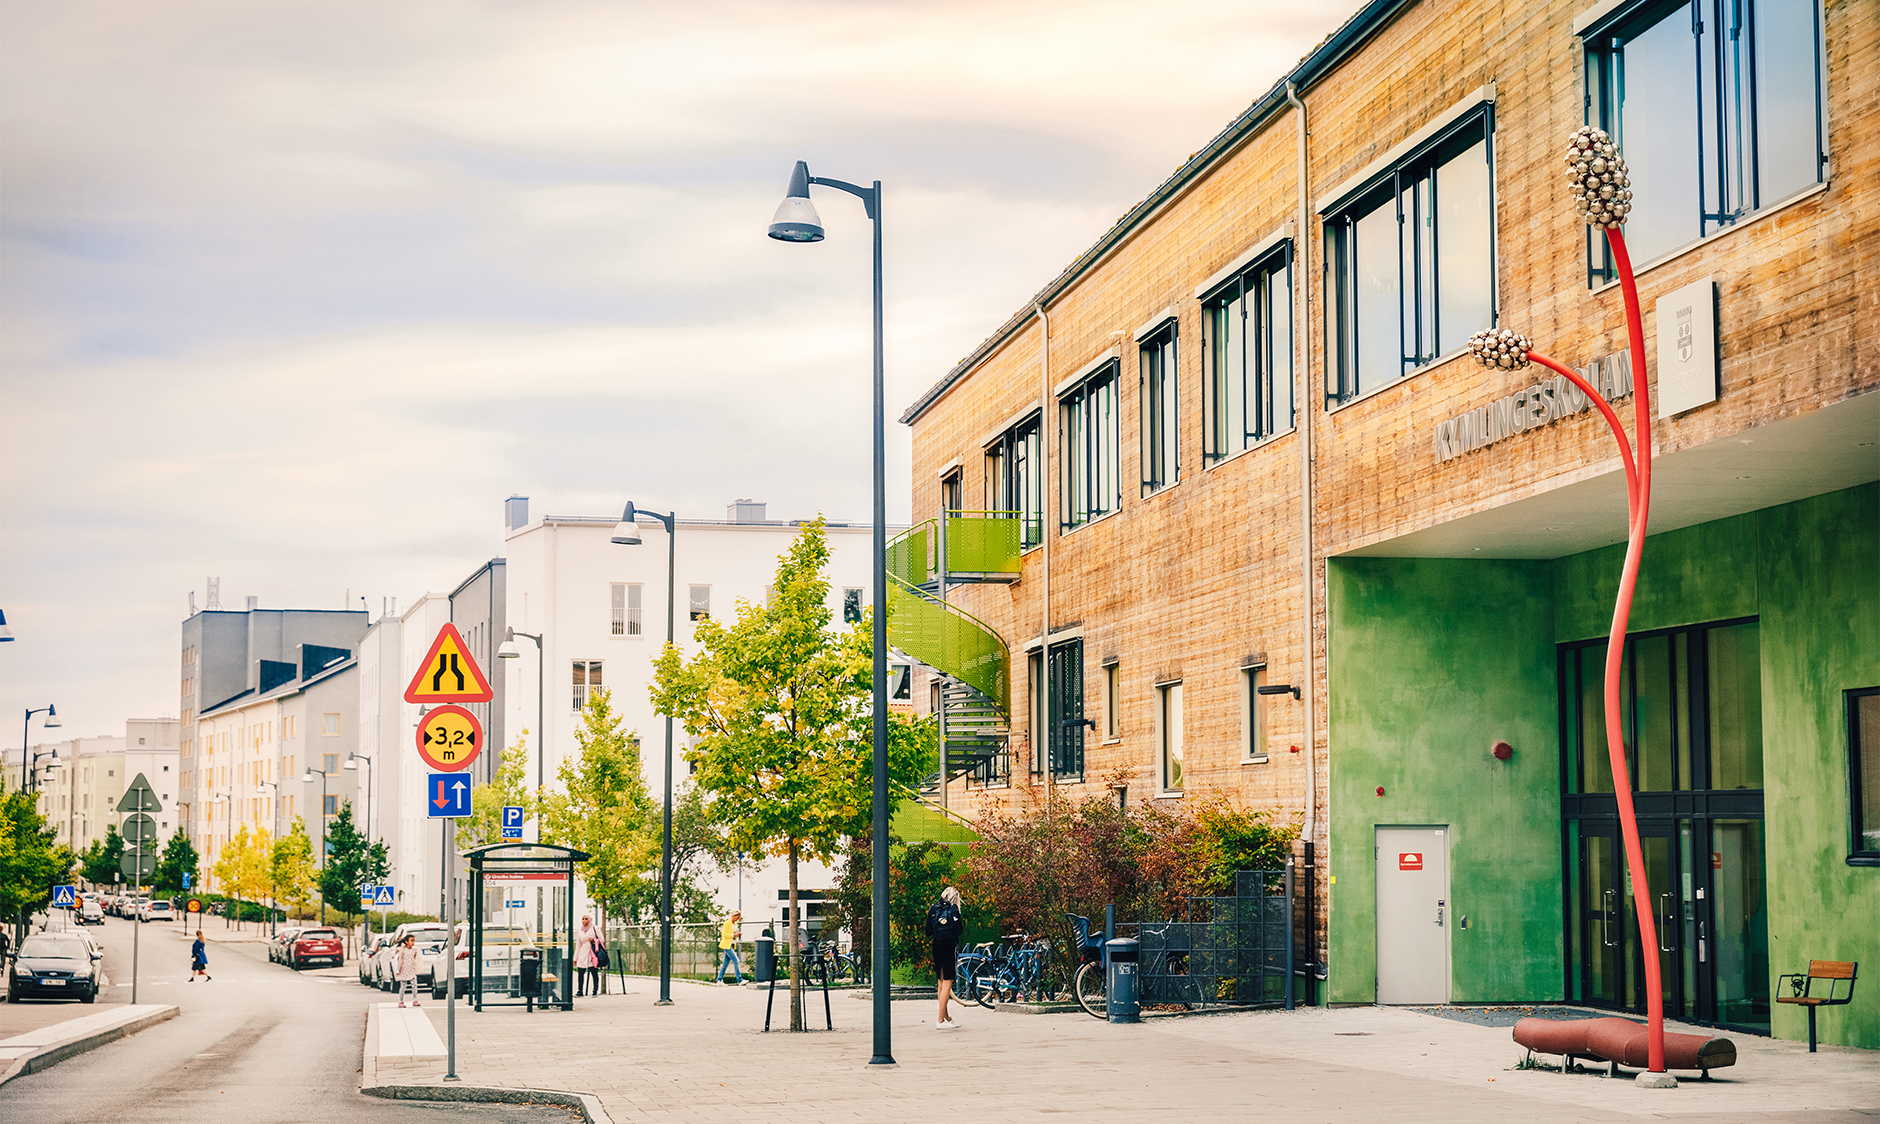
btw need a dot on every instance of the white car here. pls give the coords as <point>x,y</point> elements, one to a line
<point>155,911</point>
<point>502,962</point>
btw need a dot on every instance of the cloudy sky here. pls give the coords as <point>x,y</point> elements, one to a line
<point>294,294</point>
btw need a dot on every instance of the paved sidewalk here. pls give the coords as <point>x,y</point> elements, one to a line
<point>705,1059</point>
<point>55,1041</point>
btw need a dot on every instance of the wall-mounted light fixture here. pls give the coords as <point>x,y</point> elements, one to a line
<point>1278,689</point>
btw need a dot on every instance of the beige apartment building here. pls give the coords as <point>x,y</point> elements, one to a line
<point>81,795</point>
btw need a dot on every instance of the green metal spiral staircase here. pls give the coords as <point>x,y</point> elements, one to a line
<point>960,548</point>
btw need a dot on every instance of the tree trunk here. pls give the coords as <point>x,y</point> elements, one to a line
<point>796,958</point>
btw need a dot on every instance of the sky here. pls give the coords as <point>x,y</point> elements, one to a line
<point>295,294</point>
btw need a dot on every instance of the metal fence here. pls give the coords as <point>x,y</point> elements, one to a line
<point>633,950</point>
<point>1227,950</point>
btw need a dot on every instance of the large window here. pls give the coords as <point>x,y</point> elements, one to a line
<point>626,609</point>
<point>1014,480</point>
<point>587,680</point>
<point>1863,776</point>
<point>1412,260</point>
<point>1090,447</point>
<point>1161,446</point>
<point>1168,736</point>
<point>1249,393</point>
<point>1716,105</point>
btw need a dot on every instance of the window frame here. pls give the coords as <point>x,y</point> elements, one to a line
<point>693,612</point>
<point>852,604</point>
<point>1112,701</point>
<point>1015,476</point>
<point>591,678</point>
<point>330,724</point>
<point>1081,460</point>
<point>1386,188</point>
<point>627,610</point>
<point>1165,785</point>
<point>1158,361</point>
<point>1262,373</point>
<point>1252,718</point>
<point>1856,854</point>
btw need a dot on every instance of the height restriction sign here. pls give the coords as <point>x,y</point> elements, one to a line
<point>449,738</point>
<point>448,674</point>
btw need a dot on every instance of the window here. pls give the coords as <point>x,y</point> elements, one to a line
<point>1014,480</point>
<point>1863,776</point>
<point>329,763</point>
<point>1249,393</point>
<point>1717,106</point>
<point>952,492</point>
<point>699,602</point>
<point>626,609</point>
<point>852,605</point>
<point>1112,704</point>
<point>1091,440</point>
<point>587,678</point>
<point>1161,461</point>
<point>329,804</point>
<point>1168,736</point>
<point>901,682</point>
<point>1252,725</point>
<point>329,725</point>
<point>1412,260</point>
<point>1059,735</point>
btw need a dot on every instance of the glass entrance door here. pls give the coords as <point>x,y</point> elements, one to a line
<point>1611,945</point>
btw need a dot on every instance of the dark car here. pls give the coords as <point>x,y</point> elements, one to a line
<point>54,966</point>
<point>316,946</point>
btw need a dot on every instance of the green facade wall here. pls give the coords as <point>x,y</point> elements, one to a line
<point>1430,660</point>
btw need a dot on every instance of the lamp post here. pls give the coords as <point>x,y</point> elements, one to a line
<point>352,765</point>
<point>262,789</point>
<point>510,650</point>
<point>307,778</point>
<point>628,534</point>
<point>55,763</point>
<point>26,736</point>
<point>796,221</point>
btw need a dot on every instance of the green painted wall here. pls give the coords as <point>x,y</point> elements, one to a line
<point>1689,576</point>
<point>1819,572</point>
<point>1431,662</point>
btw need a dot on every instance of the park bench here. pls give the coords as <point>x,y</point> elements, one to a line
<point>1802,988</point>
<point>1620,1042</point>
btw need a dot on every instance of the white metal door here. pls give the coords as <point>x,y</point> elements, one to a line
<point>1413,915</point>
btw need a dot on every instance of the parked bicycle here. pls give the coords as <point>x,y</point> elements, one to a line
<point>842,967</point>
<point>1091,983</point>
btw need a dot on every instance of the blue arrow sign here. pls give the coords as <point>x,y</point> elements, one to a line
<point>446,796</point>
<point>62,897</point>
<point>383,895</point>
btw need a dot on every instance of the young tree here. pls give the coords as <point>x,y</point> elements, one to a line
<point>242,867</point>
<point>603,807</point>
<point>352,861</point>
<point>509,787</point>
<point>291,869</point>
<point>98,863</point>
<point>32,861</point>
<point>780,706</point>
<point>177,865</point>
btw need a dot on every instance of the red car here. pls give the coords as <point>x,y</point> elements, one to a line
<point>316,946</point>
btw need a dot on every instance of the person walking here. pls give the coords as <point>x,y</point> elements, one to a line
<point>944,926</point>
<point>728,949</point>
<point>405,969</point>
<point>587,964</point>
<point>199,959</point>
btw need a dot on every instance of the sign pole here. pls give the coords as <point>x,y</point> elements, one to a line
<point>450,960</point>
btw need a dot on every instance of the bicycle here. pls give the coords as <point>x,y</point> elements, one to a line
<point>976,975</point>
<point>1091,983</point>
<point>1027,970</point>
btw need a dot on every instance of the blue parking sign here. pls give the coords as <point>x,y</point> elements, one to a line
<point>512,821</point>
<point>446,796</point>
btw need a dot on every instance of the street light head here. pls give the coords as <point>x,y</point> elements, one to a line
<point>796,219</point>
<point>307,777</point>
<point>6,633</point>
<point>351,763</point>
<point>52,718</point>
<point>628,532</point>
<point>261,790</point>
<point>507,650</point>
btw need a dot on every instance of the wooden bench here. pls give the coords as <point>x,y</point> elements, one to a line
<point>1802,988</point>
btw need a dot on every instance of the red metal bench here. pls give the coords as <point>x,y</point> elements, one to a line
<point>1802,987</point>
<point>1621,1042</point>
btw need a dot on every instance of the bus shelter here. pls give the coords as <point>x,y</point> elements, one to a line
<point>521,925</point>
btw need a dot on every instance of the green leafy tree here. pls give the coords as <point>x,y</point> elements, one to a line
<point>32,861</point>
<point>509,787</point>
<point>242,867</point>
<point>779,704</point>
<point>98,863</point>
<point>179,858</point>
<point>602,808</point>
<point>291,869</point>
<point>352,861</point>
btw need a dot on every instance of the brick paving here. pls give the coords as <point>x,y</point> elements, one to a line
<point>705,1059</point>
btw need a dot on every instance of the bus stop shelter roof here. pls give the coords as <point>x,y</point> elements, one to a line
<point>543,857</point>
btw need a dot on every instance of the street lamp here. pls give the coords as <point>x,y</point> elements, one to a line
<point>26,737</point>
<point>55,763</point>
<point>352,764</point>
<point>628,534</point>
<point>796,221</point>
<point>307,778</point>
<point>510,650</point>
<point>6,633</point>
<point>262,789</point>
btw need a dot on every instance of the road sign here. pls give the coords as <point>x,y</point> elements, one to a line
<point>512,821</point>
<point>63,896</point>
<point>137,864</point>
<point>186,880</point>
<point>139,797</point>
<point>448,674</point>
<point>140,829</point>
<point>384,896</point>
<point>516,905</point>
<point>447,796</point>
<point>194,906</point>
<point>449,738</point>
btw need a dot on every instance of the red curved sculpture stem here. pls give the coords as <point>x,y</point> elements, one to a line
<point>1612,419</point>
<point>1615,650</point>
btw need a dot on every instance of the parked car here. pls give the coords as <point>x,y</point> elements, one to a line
<point>367,954</point>
<point>91,913</point>
<point>430,939</point>
<point>279,944</point>
<point>502,964</point>
<point>55,966</point>
<point>316,946</point>
<point>156,911</point>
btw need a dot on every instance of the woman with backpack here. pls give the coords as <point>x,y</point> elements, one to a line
<point>944,926</point>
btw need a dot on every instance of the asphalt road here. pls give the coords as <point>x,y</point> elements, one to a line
<point>257,1044</point>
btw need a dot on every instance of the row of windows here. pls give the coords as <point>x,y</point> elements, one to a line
<point>628,617</point>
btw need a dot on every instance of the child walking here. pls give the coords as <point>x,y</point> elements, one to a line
<point>405,970</point>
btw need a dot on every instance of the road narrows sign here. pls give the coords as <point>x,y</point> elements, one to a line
<point>449,738</point>
<point>448,674</point>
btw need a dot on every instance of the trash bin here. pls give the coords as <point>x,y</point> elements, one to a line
<point>1122,1004</point>
<point>531,971</point>
<point>765,969</point>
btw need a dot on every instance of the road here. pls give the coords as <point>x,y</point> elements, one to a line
<point>257,1044</point>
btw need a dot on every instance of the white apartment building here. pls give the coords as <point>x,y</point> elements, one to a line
<point>81,795</point>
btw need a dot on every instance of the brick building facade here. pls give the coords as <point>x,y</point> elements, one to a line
<point>1458,523</point>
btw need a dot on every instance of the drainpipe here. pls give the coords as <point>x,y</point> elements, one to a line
<point>1046,525</point>
<point>1302,333</point>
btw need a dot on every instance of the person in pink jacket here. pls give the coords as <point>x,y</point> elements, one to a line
<point>405,970</point>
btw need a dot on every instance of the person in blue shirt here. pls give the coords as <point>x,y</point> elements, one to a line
<point>199,959</point>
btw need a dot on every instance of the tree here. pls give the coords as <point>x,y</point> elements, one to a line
<point>508,788</point>
<point>243,866</point>
<point>98,863</point>
<point>603,807</point>
<point>780,706</point>
<point>179,859</point>
<point>291,869</point>
<point>32,861</point>
<point>352,861</point>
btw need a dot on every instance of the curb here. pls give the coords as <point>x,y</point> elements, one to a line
<point>54,1054</point>
<point>587,1104</point>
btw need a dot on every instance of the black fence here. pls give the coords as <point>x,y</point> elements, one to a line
<point>1237,950</point>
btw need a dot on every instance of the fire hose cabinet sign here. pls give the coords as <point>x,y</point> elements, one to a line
<point>1409,860</point>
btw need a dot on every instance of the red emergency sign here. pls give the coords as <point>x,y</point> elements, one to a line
<point>1409,860</point>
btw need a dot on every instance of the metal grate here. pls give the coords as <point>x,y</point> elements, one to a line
<point>1228,950</point>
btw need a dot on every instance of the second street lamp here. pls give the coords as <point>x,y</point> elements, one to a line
<point>796,220</point>
<point>628,534</point>
<point>307,778</point>
<point>26,737</point>
<point>510,650</point>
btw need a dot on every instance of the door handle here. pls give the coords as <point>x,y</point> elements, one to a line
<point>1439,912</point>
<point>1605,937</point>
<point>1664,923</point>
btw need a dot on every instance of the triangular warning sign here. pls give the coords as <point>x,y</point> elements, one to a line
<point>448,674</point>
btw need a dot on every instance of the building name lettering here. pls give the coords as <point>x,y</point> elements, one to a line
<point>1532,407</point>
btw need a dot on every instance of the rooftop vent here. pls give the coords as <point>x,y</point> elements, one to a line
<point>746,511</point>
<point>516,512</point>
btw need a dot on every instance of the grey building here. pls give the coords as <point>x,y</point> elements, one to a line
<point>476,608</point>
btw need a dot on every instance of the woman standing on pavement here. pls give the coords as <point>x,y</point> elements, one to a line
<point>944,926</point>
<point>728,948</point>
<point>587,965</point>
<point>405,969</point>
<point>199,959</point>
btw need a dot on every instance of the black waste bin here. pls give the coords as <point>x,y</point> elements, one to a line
<point>765,969</point>
<point>531,971</point>
<point>1122,1004</point>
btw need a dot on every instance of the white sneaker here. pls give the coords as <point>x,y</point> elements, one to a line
<point>950,1024</point>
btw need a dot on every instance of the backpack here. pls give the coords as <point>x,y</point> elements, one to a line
<point>943,922</point>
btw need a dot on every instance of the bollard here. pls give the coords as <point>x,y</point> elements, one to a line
<point>1122,1005</point>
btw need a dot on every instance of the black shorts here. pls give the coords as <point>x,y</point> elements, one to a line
<point>945,955</point>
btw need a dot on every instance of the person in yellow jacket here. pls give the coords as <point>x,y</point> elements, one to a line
<point>728,945</point>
